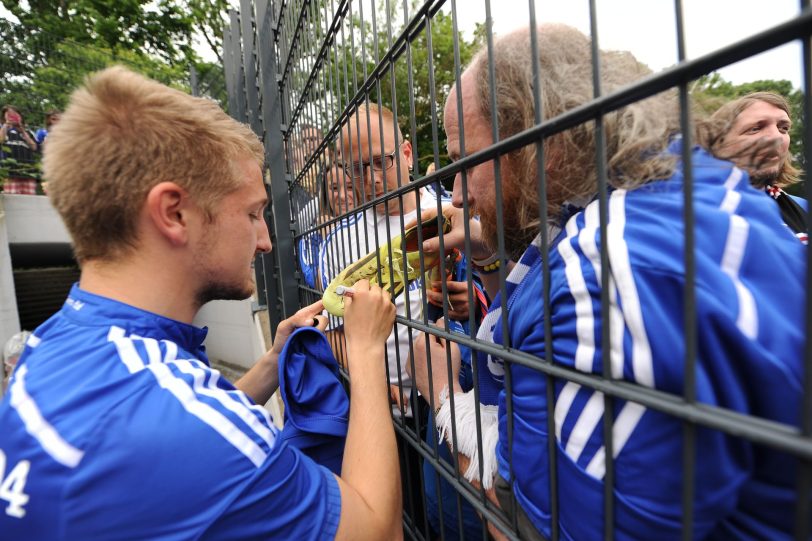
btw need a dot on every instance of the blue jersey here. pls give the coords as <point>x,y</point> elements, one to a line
<point>749,317</point>
<point>308,250</point>
<point>115,427</point>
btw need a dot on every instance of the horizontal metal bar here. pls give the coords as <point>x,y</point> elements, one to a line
<point>755,429</point>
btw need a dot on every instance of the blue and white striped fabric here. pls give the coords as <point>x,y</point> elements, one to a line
<point>308,251</point>
<point>115,427</point>
<point>749,299</point>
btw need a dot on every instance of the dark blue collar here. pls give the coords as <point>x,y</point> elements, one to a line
<point>94,310</point>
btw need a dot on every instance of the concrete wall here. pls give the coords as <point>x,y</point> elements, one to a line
<point>234,335</point>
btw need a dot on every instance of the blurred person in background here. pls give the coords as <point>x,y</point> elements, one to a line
<point>51,118</point>
<point>754,133</point>
<point>18,153</point>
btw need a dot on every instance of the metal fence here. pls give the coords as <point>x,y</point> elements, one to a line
<point>298,71</point>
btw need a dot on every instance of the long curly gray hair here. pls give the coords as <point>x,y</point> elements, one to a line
<point>635,135</point>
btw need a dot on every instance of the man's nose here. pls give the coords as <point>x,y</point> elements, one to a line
<point>771,131</point>
<point>264,238</point>
<point>458,199</point>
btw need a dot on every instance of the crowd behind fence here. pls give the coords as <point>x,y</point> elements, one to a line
<point>316,79</point>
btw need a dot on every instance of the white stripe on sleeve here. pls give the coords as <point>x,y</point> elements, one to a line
<point>36,425</point>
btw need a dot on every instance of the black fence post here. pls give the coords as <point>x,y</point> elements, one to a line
<point>275,160</point>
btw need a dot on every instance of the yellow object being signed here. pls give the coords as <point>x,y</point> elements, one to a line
<point>392,266</point>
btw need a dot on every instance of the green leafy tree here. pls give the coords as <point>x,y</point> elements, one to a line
<point>57,43</point>
<point>162,28</point>
<point>413,80</point>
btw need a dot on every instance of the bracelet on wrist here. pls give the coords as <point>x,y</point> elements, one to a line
<point>494,257</point>
<point>487,266</point>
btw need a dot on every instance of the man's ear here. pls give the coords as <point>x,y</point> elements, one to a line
<point>169,208</point>
<point>406,147</point>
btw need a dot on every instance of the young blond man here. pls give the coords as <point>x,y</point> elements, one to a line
<point>115,426</point>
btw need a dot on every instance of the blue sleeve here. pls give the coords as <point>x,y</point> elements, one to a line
<point>308,251</point>
<point>40,136</point>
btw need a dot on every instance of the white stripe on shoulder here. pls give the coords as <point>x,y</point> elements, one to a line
<point>183,392</point>
<point>152,347</point>
<point>126,349</point>
<point>617,326</point>
<point>592,413</point>
<point>171,351</point>
<point>642,364</point>
<point>216,420</point>
<point>230,400</point>
<point>33,341</point>
<point>36,425</point>
<point>731,201</point>
<point>563,404</point>
<point>735,245</point>
<point>734,178</point>
<point>584,316</point>
<point>732,198</point>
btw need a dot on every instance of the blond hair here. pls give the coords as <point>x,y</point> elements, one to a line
<point>711,133</point>
<point>122,134</point>
<point>635,135</point>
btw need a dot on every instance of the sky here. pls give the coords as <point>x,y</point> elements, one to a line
<point>646,28</point>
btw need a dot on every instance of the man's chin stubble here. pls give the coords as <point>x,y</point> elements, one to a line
<point>223,292</point>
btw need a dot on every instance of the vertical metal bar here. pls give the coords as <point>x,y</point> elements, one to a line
<point>803,509</point>
<point>193,83</point>
<point>466,210</point>
<point>503,256</point>
<point>541,174</point>
<point>274,158</point>
<point>689,294</point>
<point>265,265</point>
<point>240,109</point>
<point>603,196</point>
<point>249,65</point>
<point>230,70</point>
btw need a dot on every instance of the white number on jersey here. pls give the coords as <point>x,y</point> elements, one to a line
<point>12,485</point>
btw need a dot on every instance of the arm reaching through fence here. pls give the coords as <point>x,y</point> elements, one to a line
<point>370,478</point>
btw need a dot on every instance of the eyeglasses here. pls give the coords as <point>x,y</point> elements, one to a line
<point>356,170</point>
